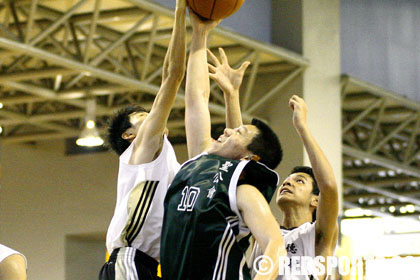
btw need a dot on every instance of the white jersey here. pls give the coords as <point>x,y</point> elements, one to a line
<point>299,241</point>
<point>138,216</point>
<point>7,252</point>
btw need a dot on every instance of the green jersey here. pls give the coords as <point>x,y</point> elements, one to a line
<point>203,234</point>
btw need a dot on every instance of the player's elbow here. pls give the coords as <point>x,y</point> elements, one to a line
<point>175,72</point>
<point>328,186</point>
<point>196,97</point>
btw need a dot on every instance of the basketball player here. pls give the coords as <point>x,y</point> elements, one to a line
<point>308,200</point>
<point>147,166</point>
<point>220,195</point>
<point>12,264</point>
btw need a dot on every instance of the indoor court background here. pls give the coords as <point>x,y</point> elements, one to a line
<point>356,63</point>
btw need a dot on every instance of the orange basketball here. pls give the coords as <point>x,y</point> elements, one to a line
<point>215,9</point>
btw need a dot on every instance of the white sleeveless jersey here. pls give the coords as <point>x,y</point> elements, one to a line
<point>7,252</point>
<point>299,241</point>
<point>138,215</point>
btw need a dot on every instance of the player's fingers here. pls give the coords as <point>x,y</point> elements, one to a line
<point>212,69</point>
<point>244,66</point>
<point>223,56</point>
<point>213,58</point>
<point>293,104</point>
<point>213,77</point>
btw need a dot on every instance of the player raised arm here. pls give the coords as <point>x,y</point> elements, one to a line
<point>229,80</point>
<point>263,226</point>
<point>327,211</point>
<point>149,139</point>
<point>197,90</point>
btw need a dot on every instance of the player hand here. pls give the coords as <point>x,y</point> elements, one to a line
<point>300,111</point>
<point>200,24</point>
<point>227,78</point>
<point>181,4</point>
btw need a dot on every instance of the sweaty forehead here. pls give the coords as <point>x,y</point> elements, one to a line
<point>137,114</point>
<point>301,175</point>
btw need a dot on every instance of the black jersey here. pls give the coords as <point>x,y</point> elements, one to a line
<point>203,234</point>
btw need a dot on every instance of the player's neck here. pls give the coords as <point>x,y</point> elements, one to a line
<point>295,217</point>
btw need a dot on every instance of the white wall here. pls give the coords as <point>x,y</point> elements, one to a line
<point>45,196</point>
<point>380,43</point>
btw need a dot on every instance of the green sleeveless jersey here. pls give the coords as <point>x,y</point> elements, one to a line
<point>203,234</point>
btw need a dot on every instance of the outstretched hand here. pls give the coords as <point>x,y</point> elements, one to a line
<point>300,110</point>
<point>227,78</point>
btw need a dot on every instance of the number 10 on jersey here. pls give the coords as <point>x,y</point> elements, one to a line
<point>188,199</point>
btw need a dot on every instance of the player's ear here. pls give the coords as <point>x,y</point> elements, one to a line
<point>314,201</point>
<point>128,135</point>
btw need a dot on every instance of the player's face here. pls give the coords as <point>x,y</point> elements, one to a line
<point>137,119</point>
<point>233,143</point>
<point>296,188</point>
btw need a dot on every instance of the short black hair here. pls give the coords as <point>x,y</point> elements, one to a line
<point>118,124</point>
<point>266,145</point>
<point>308,170</point>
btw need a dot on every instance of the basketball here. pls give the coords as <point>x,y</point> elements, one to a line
<point>215,9</point>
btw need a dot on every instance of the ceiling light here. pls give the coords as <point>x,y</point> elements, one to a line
<point>1,129</point>
<point>358,162</point>
<point>403,210</point>
<point>382,173</point>
<point>391,173</point>
<point>367,212</point>
<point>90,136</point>
<point>391,209</point>
<point>355,212</point>
<point>90,124</point>
<point>1,105</point>
<point>410,208</point>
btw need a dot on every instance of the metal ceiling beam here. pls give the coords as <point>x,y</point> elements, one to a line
<point>56,24</point>
<point>378,91</point>
<point>106,75</point>
<point>379,160</point>
<point>361,116</point>
<point>350,205</point>
<point>392,133</point>
<point>43,92</point>
<point>414,133</point>
<point>351,172</point>
<point>25,119</point>
<point>33,74</point>
<point>55,59</point>
<point>98,59</point>
<point>30,21</point>
<point>94,20</point>
<point>391,182</point>
<point>362,186</point>
<point>274,90</point>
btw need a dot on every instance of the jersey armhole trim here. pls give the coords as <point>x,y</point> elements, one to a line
<point>233,187</point>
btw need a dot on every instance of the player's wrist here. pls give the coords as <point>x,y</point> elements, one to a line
<point>301,127</point>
